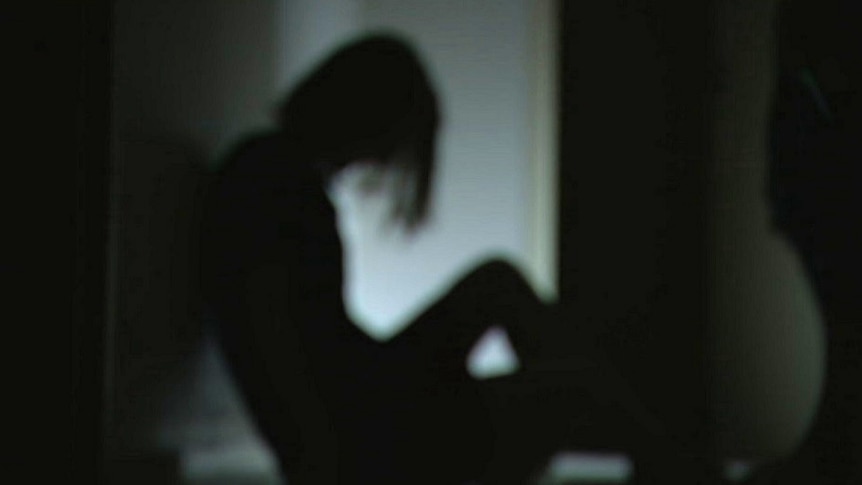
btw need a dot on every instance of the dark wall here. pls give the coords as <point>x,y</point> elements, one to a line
<point>669,252</point>
<point>634,138</point>
<point>54,198</point>
<point>93,165</point>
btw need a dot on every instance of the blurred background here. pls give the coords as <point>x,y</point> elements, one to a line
<point>614,151</point>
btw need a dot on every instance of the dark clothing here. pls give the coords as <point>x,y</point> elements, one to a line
<point>394,408</point>
<point>269,211</point>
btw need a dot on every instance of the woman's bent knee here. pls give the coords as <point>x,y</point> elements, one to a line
<point>495,278</point>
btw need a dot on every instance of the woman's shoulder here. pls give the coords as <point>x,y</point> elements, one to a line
<point>254,152</point>
<point>261,185</point>
<point>261,166</point>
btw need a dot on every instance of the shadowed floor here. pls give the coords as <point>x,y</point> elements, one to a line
<point>207,438</point>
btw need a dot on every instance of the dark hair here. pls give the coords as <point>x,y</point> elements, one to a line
<point>371,99</point>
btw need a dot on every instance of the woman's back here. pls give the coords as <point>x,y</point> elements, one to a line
<point>271,224</point>
<point>318,387</point>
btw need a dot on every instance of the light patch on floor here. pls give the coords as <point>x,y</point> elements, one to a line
<point>249,461</point>
<point>567,467</point>
<point>738,470</point>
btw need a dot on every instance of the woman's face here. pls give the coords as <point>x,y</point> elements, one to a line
<point>390,181</point>
<point>372,175</point>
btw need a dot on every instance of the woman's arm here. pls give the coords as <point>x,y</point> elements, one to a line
<point>288,405</point>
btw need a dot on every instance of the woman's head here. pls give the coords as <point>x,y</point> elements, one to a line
<point>370,101</point>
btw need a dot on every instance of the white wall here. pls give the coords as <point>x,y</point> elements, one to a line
<point>479,57</point>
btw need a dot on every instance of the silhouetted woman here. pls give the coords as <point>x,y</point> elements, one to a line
<point>335,405</point>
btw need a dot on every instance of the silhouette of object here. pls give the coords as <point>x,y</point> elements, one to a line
<point>815,186</point>
<point>337,406</point>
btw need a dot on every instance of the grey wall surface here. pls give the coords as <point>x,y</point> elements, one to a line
<point>768,341</point>
<point>199,72</point>
<point>667,248</point>
<point>188,79</point>
<point>634,150</point>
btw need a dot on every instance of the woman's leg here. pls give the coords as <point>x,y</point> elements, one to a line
<point>550,349</point>
<point>493,294</point>
<point>442,404</point>
<point>566,395</point>
<point>540,412</point>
